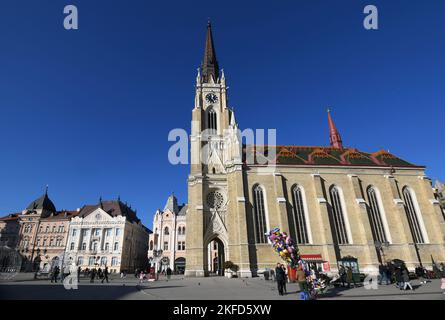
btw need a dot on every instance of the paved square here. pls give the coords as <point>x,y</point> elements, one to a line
<point>213,288</point>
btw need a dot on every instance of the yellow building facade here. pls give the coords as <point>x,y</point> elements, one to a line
<point>334,201</point>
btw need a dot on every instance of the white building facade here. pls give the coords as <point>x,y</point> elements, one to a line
<point>108,234</point>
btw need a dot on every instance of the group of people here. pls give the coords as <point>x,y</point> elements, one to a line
<point>99,273</point>
<point>347,276</point>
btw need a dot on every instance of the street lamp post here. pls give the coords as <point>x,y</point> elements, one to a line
<point>380,246</point>
<point>157,255</point>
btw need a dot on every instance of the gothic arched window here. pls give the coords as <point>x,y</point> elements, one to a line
<point>338,217</point>
<point>151,245</point>
<point>166,231</point>
<point>375,216</point>
<point>212,120</point>
<point>300,225</point>
<point>412,214</point>
<point>259,214</point>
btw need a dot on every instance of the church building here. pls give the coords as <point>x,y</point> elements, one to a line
<point>336,202</point>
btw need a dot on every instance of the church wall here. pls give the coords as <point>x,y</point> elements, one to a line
<point>353,183</point>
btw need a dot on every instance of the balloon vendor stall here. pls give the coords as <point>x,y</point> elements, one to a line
<point>287,249</point>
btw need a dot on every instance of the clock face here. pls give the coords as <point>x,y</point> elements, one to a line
<point>211,98</point>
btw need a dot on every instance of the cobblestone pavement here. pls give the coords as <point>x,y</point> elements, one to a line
<point>23,286</point>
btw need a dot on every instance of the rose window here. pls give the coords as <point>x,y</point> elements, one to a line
<point>215,200</point>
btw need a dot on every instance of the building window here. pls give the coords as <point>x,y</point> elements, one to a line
<point>116,246</point>
<point>375,216</point>
<point>96,232</point>
<point>114,261</point>
<point>58,242</point>
<point>79,261</point>
<point>118,231</point>
<point>413,218</point>
<point>299,215</point>
<point>54,229</point>
<point>72,246</point>
<point>85,232</point>
<point>108,232</point>
<point>337,215</point>
<point>211,121</point>
<point>94,246</point>
<point>107,246</point>
<point>103,261</point>
<point>47,229</point>
<point>165,245</point>
<point>91,261</point>
<point>259,215</point>
<point>166,231</point>
<point>151,245</point>
<point>84,246</point>
<point>74,232</point>
<point>51,242</point>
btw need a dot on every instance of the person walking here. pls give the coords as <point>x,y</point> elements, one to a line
<point>388,271</point>
<point>342,273</point>
<point>285,278</point>
<point>169,273</point>
<point>382,274</point>
<point>280,277</point>
<point>92,275</point>
<point>301,279</point>
<point>350,277</point>
<point>141,277</point>
<point>105,274</point>
<point>55,274</point>
<point>399,278</point>
<point>442,277</point>
<point>79,270</point>
<point>406,280</point>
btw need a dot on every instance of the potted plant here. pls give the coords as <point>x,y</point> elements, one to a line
<point>228,265</point>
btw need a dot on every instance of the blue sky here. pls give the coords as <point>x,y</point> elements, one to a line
<point>88,112</point>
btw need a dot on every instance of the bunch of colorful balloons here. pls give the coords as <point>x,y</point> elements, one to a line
<point>284,246</point>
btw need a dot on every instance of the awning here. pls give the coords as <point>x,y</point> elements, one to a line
<point>312,257</point>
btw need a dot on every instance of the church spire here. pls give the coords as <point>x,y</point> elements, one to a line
<point>210,66</point>
<point>334,135</point>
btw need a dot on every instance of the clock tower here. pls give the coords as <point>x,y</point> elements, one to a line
<point>215,158</point>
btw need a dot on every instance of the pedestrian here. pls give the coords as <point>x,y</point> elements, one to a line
<point>420,273</point>
<point>406,280</point>
<point>350,277</point>
<point>55,274</point>
<point>92,275</point>
<point>285,278</point>
<point>105,274</point>
<point>381,274</point>
<point>301,279</point>
<point>399,278</point>
<point>342,273</point>
<point>141,277</point>
<point>169,273</point>
<point>79,270</point>
<point>280,277</point>
<point>442,277</point>
<point>388,271</point>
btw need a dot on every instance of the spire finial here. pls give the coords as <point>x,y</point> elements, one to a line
<point>334,135</point>
<point>46,190</point>
<point>210,68</point>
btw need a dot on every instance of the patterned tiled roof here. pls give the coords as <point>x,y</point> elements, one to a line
<point>315,155</point>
